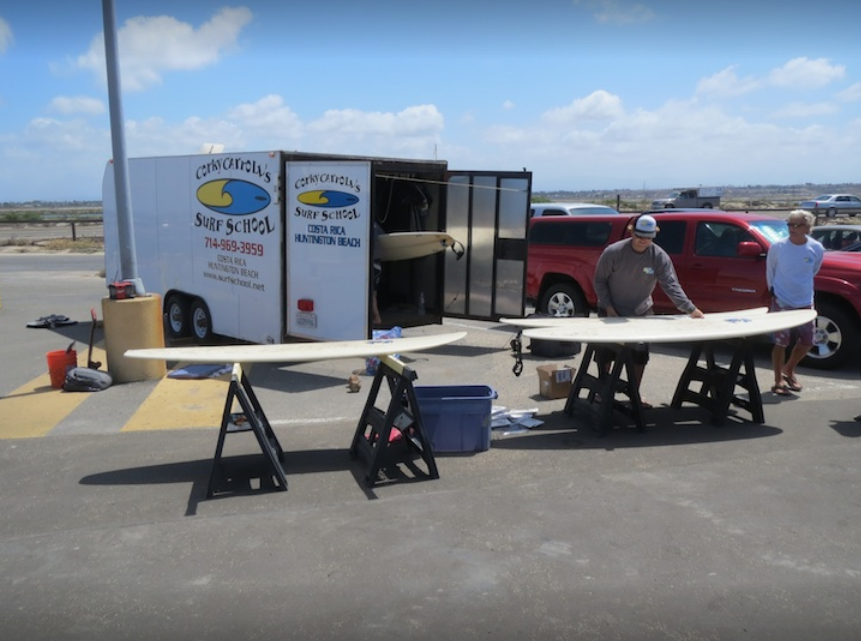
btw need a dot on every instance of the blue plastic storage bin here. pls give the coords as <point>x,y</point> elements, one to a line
<point>456,417</point>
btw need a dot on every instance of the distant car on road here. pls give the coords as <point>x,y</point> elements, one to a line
<point>837,237</point>
<point>569,209</point>
<point>833,205</point>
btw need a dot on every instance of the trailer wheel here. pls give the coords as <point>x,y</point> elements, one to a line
<point>177,318</point>
<point>707,205</point>
<point>201,321</point>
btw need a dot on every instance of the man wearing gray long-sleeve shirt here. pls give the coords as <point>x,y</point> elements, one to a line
<point>626,275</point>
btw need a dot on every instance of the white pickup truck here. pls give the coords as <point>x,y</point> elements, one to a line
<point>699,197</point>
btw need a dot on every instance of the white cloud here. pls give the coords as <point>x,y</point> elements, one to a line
<point>802,110</point>
<point>150,46</point>
<point>6,38</point>
<point>78,104</point>
<point>508,105</point>
<point>725,84</point>
<point>804,73</point>
<point>599,105</point>
<point>617,12</point>
<point>851,94</point>
<point>269,114</point>
<point>155,137</point>
<point>421,120</point>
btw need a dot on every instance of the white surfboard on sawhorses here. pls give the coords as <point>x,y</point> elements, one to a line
<point>566,321</point>
<point>411,244</point>
<point>673,329</point>
<point>295,352</point>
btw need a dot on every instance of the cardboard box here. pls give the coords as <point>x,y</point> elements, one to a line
<point>554,381</point>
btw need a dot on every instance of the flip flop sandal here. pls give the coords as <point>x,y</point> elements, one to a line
<point>781,390</point>
<point>52,321</point>
<point>792,383</point>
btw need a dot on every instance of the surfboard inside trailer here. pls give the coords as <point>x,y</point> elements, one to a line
<point>267,247</point>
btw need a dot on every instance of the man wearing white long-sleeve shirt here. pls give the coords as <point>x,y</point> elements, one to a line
<point>791,264</point>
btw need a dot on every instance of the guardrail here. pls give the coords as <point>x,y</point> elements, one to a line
<point>73,224</point>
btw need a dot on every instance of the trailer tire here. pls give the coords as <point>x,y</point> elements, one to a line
<point>177,316</point>
<point>201,321</point>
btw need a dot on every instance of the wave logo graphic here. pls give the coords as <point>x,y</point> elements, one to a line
<point>233,197</point>
<point>327,198</point>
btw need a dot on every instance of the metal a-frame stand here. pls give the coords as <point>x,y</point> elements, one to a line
<point>373,438</point>
<point>251,419</point>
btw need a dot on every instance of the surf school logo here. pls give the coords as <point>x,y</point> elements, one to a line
<point>327,198</point>
<point>233,197</point>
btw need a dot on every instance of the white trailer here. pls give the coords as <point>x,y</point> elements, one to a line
<point>267,247</point>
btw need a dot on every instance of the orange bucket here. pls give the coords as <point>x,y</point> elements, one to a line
<point>59,363</point>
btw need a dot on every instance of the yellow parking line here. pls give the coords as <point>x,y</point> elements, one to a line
<point>35,408</point>
<point>181,403</point>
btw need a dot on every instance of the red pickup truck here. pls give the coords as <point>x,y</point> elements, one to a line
<point>720,260</point>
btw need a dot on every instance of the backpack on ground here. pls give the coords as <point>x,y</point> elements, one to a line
<point>85,379</point>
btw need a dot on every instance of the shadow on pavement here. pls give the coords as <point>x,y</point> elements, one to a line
<point>664,426</point>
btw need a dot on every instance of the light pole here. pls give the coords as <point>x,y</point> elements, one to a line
<point>136,322</point>
<point>128,255</point>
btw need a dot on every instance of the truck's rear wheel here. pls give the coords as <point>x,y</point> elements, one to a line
<point>563,299</point>
<point>834,338</point>
<point>177,318</point>
<point>201,321</point>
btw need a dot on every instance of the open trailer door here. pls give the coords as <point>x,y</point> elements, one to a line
<point>488,212</point>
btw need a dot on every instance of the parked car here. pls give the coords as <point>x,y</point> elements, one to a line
<point>569,209</point>
<point>837,237</point>
<point>833,205</point>
<point>720,260</point>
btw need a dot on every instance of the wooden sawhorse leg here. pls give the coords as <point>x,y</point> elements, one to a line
<point>251,419</point>
<point>718,384</point>
<point>605,385</point>
<point>372,437</point>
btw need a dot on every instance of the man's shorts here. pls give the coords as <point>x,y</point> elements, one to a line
<point>640,354</point>
<point>803,334</point>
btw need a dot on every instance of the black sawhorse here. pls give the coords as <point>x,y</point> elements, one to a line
<point>251,419</point>
<point>374,431</point>
<point>718,384</point>
<point>603,387</point>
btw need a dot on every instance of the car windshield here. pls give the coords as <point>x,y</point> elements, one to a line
<point>772,230</point>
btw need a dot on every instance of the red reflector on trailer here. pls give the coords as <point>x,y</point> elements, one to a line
<point>306,305</point>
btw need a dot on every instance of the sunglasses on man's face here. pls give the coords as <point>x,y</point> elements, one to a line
<point>796,225</point>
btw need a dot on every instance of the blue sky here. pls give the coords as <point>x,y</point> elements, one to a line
<point>587,94</point>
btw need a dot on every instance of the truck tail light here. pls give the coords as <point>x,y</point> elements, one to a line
<point>305,305</point>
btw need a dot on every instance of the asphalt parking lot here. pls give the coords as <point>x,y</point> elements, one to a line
<point>687,531</point>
